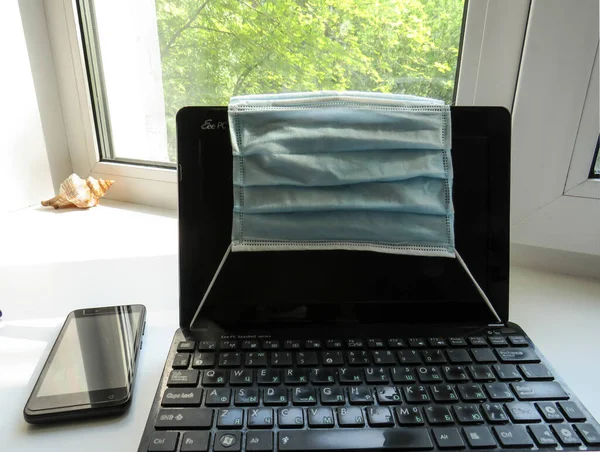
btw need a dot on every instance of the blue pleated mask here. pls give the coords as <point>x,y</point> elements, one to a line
<point>328,170</point>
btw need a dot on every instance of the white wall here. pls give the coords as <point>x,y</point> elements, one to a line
<point>34,157</point>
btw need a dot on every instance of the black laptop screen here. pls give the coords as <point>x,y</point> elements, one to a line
<point>326,286</point>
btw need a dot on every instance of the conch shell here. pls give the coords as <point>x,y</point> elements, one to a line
<point>78,192</point>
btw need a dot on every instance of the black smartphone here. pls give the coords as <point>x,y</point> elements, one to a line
<point>91,368</point>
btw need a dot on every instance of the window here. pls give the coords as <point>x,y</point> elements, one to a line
<point>146,60</point>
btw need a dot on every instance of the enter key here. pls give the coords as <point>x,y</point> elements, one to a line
<point>543,390</point>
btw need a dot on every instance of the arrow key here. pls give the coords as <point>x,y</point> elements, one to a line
<point>566,435</point>
<point>589,433</point>
<point>542,435</point>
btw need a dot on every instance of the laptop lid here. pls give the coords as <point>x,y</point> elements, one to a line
<point>259,288</point>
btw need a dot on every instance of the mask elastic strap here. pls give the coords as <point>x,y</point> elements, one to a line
<point>479,289</point>
<point>211,284</point>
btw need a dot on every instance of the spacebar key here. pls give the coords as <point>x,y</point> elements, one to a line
<point>355,440</point>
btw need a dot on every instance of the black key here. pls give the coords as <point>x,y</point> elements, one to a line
<point>566,435</point>
<point>269,377</point>
<point>358,358</point>
<point>333,396</point>
<point>429,374</point>
<point>218,397</point>
<point>513,436</point>
<point>448,438</point>
<point>437,342</point>
<point>409,415</point>
<point>549,412</point>
<point>186,346</point>
<point>481,372</point>
<point>388,395</point>
<point>230,418</point>
<point>304,396</point>
<point>494,413</point>
<point>259,441</point>
<point>256,359</point>
<point>455,373</point>
<point>296,376</point>
<point>499,392</point>
<point>281,359</point>
<point>522,412</point>
<point>313,344</point>
<point>383,357</point>
<point>484,355</point>
<point>183,378</point>
<point>517,355</point>
<point>396,343</point>
<point>409,357</point>
<point>375,343</point>
<point>270,345</point>
<point>417,342</point>
<point>571,411</point>
<point>228,345</point>
<point>163,442</point>
<point>498,341</point>
<point>250,345</point>
<point>333,343</point>
<point>375,375</point>
<point>203,359</point>
<point>228,442</point>
<point>444,393</point>
<point>471,393</point>
<point>183,418</point>
<point>479,437</point>
<point>360,395</point>
<point>290,418</point>
<point>207,346</point>
<point>433,356</point>
<point>230,359</point>
<point>539,390</point>
<point>438,414</point>
<point>195,442</point>
<point>350,417</point>
<point>459,356</point>
<point>260,418</point>
<point>380,416</point>
<point>307,359</point>
<point>477,341</point>
<point>351,376</point>
<point>214,377</point>
<point>403,375</point>
<point>589,434</point>
<point>457,342</point>
<point>355,440</point>
<point>542,435</point>
<point>468,414</point>
<point>182,397</point>
<point>507,372</point>
<point>181,361</point>
<point>416,394</point>
<point>320,417</point>
<point>355,343</point>
<point>246,397</point>
<point>332,358</point>
<point>275,396</point>
<point>241,377</point>
<point>518,341</point>
<point>292,345</point>
<point>535,372</point>
<point>322,376</point>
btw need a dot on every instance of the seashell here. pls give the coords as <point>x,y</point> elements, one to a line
<point>78,192</point>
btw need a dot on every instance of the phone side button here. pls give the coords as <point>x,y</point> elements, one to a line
<point>163,442</point>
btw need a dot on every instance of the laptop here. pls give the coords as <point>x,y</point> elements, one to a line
<point>354,350</point>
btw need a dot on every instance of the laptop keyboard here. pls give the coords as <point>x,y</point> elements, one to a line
<point>365,394</point>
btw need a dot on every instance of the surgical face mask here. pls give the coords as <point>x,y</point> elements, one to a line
<point>355,171</point>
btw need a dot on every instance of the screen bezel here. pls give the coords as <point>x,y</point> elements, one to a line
<point>202,231</point>
<point>37,405</point>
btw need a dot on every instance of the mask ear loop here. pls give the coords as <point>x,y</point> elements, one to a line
<point>479,289</point>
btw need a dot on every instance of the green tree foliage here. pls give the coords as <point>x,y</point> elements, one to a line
<point>214,49</point>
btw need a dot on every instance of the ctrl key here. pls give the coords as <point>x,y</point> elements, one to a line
<point>163,442</point>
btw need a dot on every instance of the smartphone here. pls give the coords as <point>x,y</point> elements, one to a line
<point>91,368</point>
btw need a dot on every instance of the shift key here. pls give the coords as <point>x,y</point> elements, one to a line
<point>184,418</point>
<point>543,390</point>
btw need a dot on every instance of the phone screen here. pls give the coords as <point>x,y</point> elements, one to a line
<point>93,359</point>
